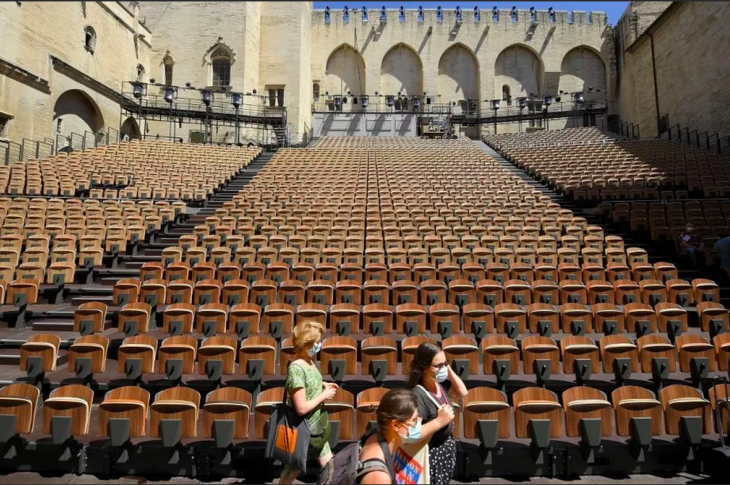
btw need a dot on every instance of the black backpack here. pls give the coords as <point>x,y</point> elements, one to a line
<point>345,467</point>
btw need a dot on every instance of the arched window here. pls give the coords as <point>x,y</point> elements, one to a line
<point>221,68</point>
<point>168,62</point>
<point>140,72</point>
<point>506,94</point>
<point>89,39</point>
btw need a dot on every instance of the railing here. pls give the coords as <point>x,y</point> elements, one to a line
<point>625,129</point>
<point>32,149</point>
<point>380,105</point>
<point>196,106</point>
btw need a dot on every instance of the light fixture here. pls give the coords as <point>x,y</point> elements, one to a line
<point>327,14</point>
<point>522,102</point>
<point>557,98</point>
<point>416,102</point>
<point>402,14</point>
<point>138,89</point>
<point>236,99</point>
<point>547,100</point>
<point>170,94</point>
<point>495,14</point>
<point>364,101</point>
<point>345,14</point>
<point>513,14</point>
<point>457,14</point>
<point>364,13</point>
<point>533,14</point>
<point>590,89</point>
<point>477,14</point>
<point>152,80</point>
<point>495,104</point>
<point>551,14</point>
<point>420,14</point>
<point>579,98</point>
<point>383,16</point>
<point>207,96</point>
<point>439,14</point>
<point>188,84</point>
<point>338,102</point>
<point>389,101</point>
<point>254,91</point>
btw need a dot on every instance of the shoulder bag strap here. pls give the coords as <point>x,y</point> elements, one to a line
<point>388,457</point>
<point>427,393</point>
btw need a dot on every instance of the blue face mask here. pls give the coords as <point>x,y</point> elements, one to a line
<point>315,350</point>
<point>414,434</point>
<point>442,374</point>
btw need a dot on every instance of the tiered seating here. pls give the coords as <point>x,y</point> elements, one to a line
<point>545,138</point>
<point>388,243</point>
<point>181,172</point>
<point>586,167</point>
<point>665,220</point>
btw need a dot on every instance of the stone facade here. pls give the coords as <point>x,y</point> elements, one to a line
<point>286,54</point>
<point>47,72</point>
<point>686,39</point>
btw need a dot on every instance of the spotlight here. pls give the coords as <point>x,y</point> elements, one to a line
<point>254,91</point>
<point>457,14</point>
<point>513,14</point>
<point>547,100</point>
<point>383,16</point>
<point>551,14</point>
<point>579,98</point>
<point>236,99</point>
<point>477,14</point>
<point>495,104</point>
<point>590,89</point>
<point>137,90</point>
<point>345,14</point>
<point>188,84</point>
<point>327,14</point>
<point>364,101</point>
<point>495,14</point>
<point>152,80</point>
<point>207,96</point>
<point>416,102</point>
<point>170,95</point>
<point>364,13</point>
<point>420,14</point>
<point>533,14</point>
<point>402,14</point>
<point>338,103</point>
<point>557,99</point>
<point>389,101</point>
<point>439,14</point>
<point>522,102</point>
<point>376,93</point>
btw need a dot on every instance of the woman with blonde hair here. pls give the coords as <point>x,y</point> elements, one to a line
<point>307,393</point>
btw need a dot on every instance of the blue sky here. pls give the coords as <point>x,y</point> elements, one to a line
<point>613,9</point>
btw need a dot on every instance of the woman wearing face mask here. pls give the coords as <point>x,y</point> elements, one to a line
<point>690,244</point>
<point>399,424</point>
<point>307,393</point>
<point>430,371</point>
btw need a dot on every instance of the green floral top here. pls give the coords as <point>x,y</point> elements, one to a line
<point>308,378</point>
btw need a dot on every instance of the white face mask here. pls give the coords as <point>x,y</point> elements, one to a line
<point>442,374</point>
<point>315,350</point>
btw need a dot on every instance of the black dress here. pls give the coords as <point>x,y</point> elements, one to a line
<point>442,447</point>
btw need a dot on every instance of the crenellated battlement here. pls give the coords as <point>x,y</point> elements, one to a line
<point>562,18</point>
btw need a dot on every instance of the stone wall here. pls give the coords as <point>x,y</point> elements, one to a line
<point>43,56</point>
<point>416,57</point>
<point>689,42</point>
